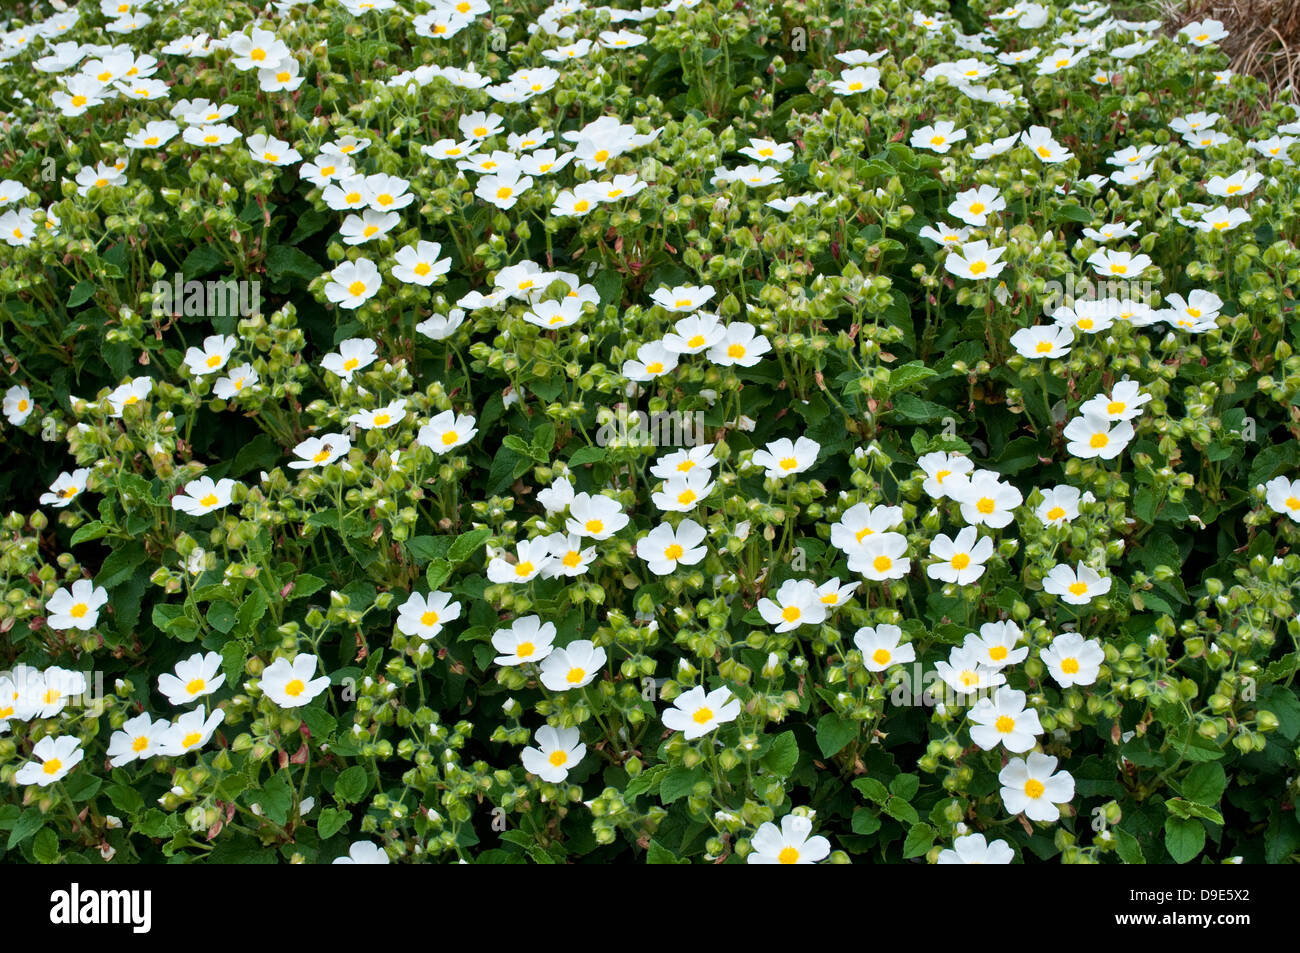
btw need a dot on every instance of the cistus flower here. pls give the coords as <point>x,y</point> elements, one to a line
<point>1073,661</point>
<point>192,678</point>
<point>558,750</point>
<point>1032,785</point>
<point>695,713</point>
<point>791,843</point>
<point>53,758</point>
<point>974,849</point>
<point>290,683</point>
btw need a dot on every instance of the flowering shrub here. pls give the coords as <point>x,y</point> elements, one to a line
<point>713,431</point>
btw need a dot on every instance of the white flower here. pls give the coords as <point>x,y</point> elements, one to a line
<point>962,559</point>
<point>882,646</point>
<point>1033,786</point>
<point>189,732</point>
<point>139,738</point>
<point>353,283</point>
<point>966,673</point>
<point>353,355</point>
<point>1072,660</point>
<point>194,677</point>
<point>447,431</point>
<point>203,495</point>
<point>797,603</point>
<point>973,849</point>
<point>1077,586</point>
<point>290,684</point>
<point>65,487</point>
<point>791,843</point>
<point>664,548</point>
<point>1092,436</point>
<point>996,645</point>
<point>782,458</point>
<point>987,501</point>
<point>558,750</point>
<point>682,298</point>
<point>419,264</point>
<point>424,616</point>
<point>596,517</point>
<point>528,639</point>
<point>58,756</point>
<point>17,404</point>
<point>1283,496</point>
<point>363,852</point>
<point>976,261</point>
<point>320,451</point>
<point>531,557</point>
<point>1004,720</point>
<point>572,666</point>
<point>76,607</point>
<point>695,713</point>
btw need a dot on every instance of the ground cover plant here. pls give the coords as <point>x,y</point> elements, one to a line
<point>703,432</point>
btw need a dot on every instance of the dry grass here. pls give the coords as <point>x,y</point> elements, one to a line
<point>1264,40</point>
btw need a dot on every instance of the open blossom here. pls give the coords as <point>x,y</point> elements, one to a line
<point>1073,661</point>
<point>974,849</point>
<point>76,607</point>
<point>797,603</point>
<point>695,713</point>
<point>424,616</point>
<point>882,646</point>
<point>791,843</point>
<point>1077,586</point>
<point>1004,719</point>
<point>290,683</point>
<point>192,678</point>
<point>782,457</point>
<point>665,548</point>
<point>1032,785</point>
<point>558,750</point>
<point>573,666</point>
<point>528,639</point>
<point>53,758</point>
<point>204,495</point>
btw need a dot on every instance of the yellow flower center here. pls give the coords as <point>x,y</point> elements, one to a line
<point>937,140</point>
<point>53,766</point>
<point>655,367</point>
<point>1119,269</point>
<point>978,268</point>
<point>294,688</point>
<point>1098,440</point>
<point>998,653</point>
<point>1005,724</point>
<point>1233,189</point>
<point>191,739</point>
<point>78,100</point>
<point>357,288</point>
<point>352,198</point>
<point>572,558</point>
<point>735,350</point>
<point>524,649</point>
<point>1078,588</point>
<point>1043,347</point>
<point>881,656</point>
<point>696,340</point>
<point>674,552</point>
<point>449,438</point>
<point>79,610</point>
<point>257,55</point>
<point>789,463</point>
<point>320,456</point>
<point>977,208</point>
<point>1034,788</point>
<point>1070,666</point>
<point>985,505</point>
<point>791,613</point>
<point>882,563</point>
<point>855,86</point>
<point>195,685</point>
<point>601,155</point>
<point>686,496</point>
<point>960,561</point>
<point>524,568</point>
<point>702,716</point>
<point>575,675</point>
<point>370,230</point>
<point>209,499</point>
<point>557,758</point>
<point>1086,323</point>
<point>969,678</point>
<point>1056,513</point>
<point>581,205</point>
<point>139,744</point>
<point>429,618</point>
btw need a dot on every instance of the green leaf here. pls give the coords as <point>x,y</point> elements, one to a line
<point>833,733</point>
<point>222,616</point>
<point>865,821</point>
<point>275,798</point>
<point>783,755</point>
<point>352,784</point>
<point>437,573</point>
<point>1128,848</point>
<point>1205,783</point>
<point>1184,838</point>
<point>330,822</point>
<point>28,823</point>
<point>905,786</point>
<point>645,781</point>
<point>657,853</point>
<point>285,261</point>
<point>900,810</point>
<point>872,790</point>
<point>678,782</point>
<point>320,723</point>
<point>81,293</point>
<point>233,656</point>
<point>586,455</point>
<point>467,544</point>
<point>45,848</point>
<point>92,530</point>
<point>125,799</point>
<point>919,839</point>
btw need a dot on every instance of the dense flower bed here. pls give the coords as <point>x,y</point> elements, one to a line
<point>711,431</point>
